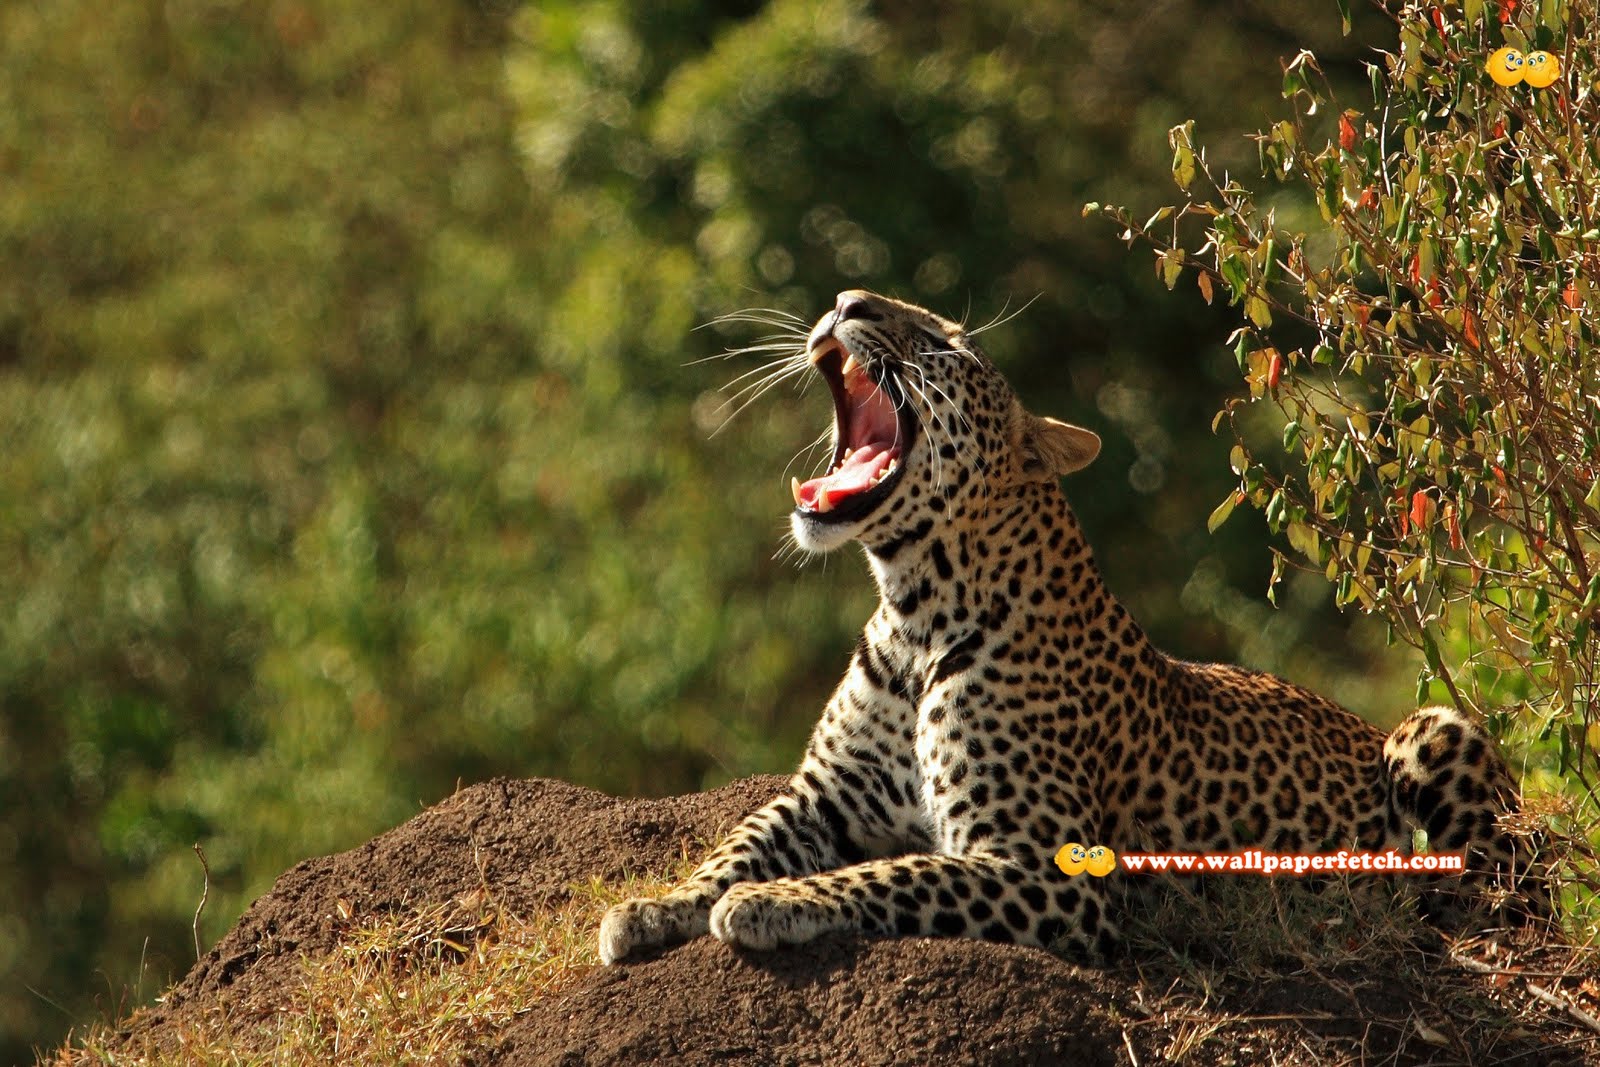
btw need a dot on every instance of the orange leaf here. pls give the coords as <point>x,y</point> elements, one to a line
<point>1275,370</point>
<point>1203,280</point>
<point>1421,509</point>
<point>1469,327</point>
<point>1347,133</point>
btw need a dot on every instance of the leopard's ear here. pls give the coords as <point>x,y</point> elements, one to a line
<point>1051,448</point>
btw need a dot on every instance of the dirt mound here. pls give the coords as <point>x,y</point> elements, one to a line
<point>528,840</point>
<point>842,1000</point>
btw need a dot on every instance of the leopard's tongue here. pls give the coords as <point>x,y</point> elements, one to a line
<point>871,449</point>
<point>859,472</point>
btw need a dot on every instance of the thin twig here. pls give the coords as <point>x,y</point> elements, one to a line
<point>1557,1001</point>
<point>1554,1000</point>
<point>205,891</point>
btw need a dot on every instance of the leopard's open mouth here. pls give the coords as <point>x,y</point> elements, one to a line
<point>872,431</point>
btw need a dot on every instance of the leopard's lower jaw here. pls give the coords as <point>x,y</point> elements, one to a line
<point>819,537</point>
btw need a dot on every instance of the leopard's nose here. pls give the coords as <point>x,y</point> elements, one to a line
<point>854,304</point>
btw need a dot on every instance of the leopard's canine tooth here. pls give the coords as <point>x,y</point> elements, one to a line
<point>825,348</point>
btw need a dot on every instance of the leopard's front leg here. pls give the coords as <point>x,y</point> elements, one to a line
<point>787,837</point>
<point>1021,898</point>
<point>854,797</point>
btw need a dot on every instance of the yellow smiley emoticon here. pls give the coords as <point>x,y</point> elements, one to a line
<point>1071,858</point>
<point>1101,861</point>
<point>1540,69</point>
<point>1506,66</point>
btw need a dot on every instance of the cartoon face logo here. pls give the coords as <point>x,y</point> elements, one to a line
<point>1506,66</point>
<point>1071,858</point>
<point>1100,861</point>
<point>1540,69</point>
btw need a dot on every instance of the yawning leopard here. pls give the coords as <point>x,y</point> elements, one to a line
<point>1002,703</point>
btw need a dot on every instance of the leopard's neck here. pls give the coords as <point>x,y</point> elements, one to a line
<point>1024,555</point>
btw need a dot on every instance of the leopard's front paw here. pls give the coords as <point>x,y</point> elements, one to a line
<point>762,916</point>
<point>641,924</point>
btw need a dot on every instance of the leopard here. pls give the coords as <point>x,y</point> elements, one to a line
<point>1001,702</point>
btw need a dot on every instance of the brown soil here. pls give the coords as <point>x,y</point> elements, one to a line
<point>845,1000</point>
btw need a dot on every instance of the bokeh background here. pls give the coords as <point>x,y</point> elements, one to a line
<point>352,443</point>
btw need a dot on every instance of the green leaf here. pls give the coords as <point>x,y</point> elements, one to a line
<point>1219,515</point>
<point>1293,81</point>
<point>1241,350</point>
<point>1172,266</point>
<point>1259,311</point>
<point>1303,539</point>
<point>1235,273</point>
<point>1275,509</point>
<point>1291,434</point>
<point>1183,162</point>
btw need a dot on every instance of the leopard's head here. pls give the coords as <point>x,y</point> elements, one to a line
<point>926,430</point>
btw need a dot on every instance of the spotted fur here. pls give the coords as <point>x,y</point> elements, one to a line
<point>1001,703</point>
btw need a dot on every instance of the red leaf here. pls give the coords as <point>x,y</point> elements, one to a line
<point>1569,296</point>
<point>1469,327</point>
<point>1421,506</point>
<point>1405,516</point>
<point>1499,130</point>
<point>1508,10</point>
<point>1347,133</point>
<point>1369,199</point>
<point>1438,20</point>
<point>1416,270</point>
<point>1275,370</point>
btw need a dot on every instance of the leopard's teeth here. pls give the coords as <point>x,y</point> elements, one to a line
<point>794,485</point>
<point>850,369</point>
<point>824,505</point>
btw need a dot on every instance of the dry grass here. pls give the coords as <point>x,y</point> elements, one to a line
<point>417,986</point>
<point>1217,955</point>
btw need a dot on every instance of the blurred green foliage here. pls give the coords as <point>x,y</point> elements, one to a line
<point>351,445</point>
